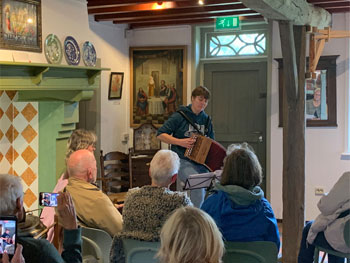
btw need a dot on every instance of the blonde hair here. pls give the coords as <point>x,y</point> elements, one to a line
<point>79,140</point>
<point>190,236</point>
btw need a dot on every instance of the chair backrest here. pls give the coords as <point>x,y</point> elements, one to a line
<point>101,238</point>
<point>250,252</point>
<point>91,252</point>
<point>137,251</point>
<point>347,233</point>
<point>114,172</point>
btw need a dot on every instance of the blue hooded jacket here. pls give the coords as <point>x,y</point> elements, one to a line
<point>242,215</point>
<point>179,128</point>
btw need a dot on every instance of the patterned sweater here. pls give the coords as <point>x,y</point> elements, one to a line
<point>144,213</point>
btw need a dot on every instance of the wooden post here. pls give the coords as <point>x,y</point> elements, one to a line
<point>293,51</point>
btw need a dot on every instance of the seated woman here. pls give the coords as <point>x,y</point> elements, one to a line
<point>80,139</point>
<point>142,103</point>
<point>238,205</point>
<point>190,236</point>
<point>146,208</point>
<point>328,228</point>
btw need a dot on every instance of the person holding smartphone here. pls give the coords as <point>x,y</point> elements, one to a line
<point>40,250</point>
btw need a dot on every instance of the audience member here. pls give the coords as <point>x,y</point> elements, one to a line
<point>147,208</point>
<point>327,230</point>
<point>79,139</point>
<point>40,250</point>
<point>238,205</point>
<point>190,236</point>
<point>94,208</point>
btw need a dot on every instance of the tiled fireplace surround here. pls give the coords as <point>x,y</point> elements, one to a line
<point>40,98</point>
<point>19,143</point>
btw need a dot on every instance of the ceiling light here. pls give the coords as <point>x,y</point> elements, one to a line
<point>201,2</point>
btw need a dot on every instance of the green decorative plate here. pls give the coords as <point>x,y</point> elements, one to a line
<point>53,49</point>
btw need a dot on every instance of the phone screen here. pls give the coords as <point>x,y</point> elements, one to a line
<point>8,233</point>
<point>48,199</point>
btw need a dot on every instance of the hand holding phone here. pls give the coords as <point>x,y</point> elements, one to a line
<point>17,258</point>
<point>66,211</point>
<point>48,199</point>
<point>8,233</point>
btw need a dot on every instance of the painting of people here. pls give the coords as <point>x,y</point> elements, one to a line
<point>158,83</point>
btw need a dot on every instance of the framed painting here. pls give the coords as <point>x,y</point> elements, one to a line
<point>115,85</point>
<point>20,25</point>
<point>320,94</point>
<point>158,83</point>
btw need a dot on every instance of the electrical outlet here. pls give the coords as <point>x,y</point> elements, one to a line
<point>125,137</point>
<point>319,190</point>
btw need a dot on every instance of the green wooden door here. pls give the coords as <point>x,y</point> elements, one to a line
<point>238,104</point>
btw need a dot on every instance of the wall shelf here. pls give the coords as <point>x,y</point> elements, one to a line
<point>43,82</point>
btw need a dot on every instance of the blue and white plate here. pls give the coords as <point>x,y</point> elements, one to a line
<point>53,49</point>
<point>72,51</point>
<point>89,54</point>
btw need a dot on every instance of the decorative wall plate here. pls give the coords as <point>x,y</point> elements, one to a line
<point>89,54</point>
<point>53,49</point>
<point>71,51</point>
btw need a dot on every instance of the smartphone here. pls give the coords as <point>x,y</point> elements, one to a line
<point>8,234</point>
<point>48,199</point>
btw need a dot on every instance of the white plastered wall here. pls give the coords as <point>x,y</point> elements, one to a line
<point>324,145</point>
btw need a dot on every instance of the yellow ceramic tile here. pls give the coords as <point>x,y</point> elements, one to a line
<point>11,112</point>
<point>29,155</point>
<point>11,134</point>
<point>1,156</point>
<point>12,171</point>
<point>1,112</point>
<point>29,112</point>
<point>29,133</point>
<point>28,176</point>
<point>1,134</point>
<point>11,155</point>
<point>11,93</point>
<point>29,197</point>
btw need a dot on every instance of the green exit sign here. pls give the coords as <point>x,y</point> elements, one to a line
<point>228,22</point>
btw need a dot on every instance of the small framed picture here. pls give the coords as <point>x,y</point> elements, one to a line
<point>115,85</point>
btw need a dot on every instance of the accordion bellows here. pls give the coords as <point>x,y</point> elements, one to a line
<point>207,152</point>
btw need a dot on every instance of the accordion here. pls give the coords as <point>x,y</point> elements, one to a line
<point>207,152</point>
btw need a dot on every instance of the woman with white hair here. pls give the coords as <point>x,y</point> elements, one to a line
<point>147,208</point>
<point>190,236</point>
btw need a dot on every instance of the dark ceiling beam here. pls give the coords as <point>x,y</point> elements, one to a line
<point>105,3</point>
<point>325,1</point>
<point>149,6</point>
<point>338,10</point>
<point>183,17</point>
<point>334,5</point>
<point>185,22</point>
<point>194,11</point>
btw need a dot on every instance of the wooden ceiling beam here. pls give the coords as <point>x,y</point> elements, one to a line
<point>325,1</point>
<point>338,10</point>
<point>169,12</point>
<point>299,12</point>
<point>334,5</point>
<point>150,6</point>
<point>183,16</point>
<point>106,3</point>
<point>186,22</point>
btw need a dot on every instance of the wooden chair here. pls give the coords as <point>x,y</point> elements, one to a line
<point>114,172</point>
<point>250,252</point>
<point>333,252</point>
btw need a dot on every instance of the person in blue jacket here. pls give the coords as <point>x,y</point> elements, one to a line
<point>238,205</point>
<point>177,131</point>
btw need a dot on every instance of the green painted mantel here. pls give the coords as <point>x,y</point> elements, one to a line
<point>45,82</point>
<point>58,90</point>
